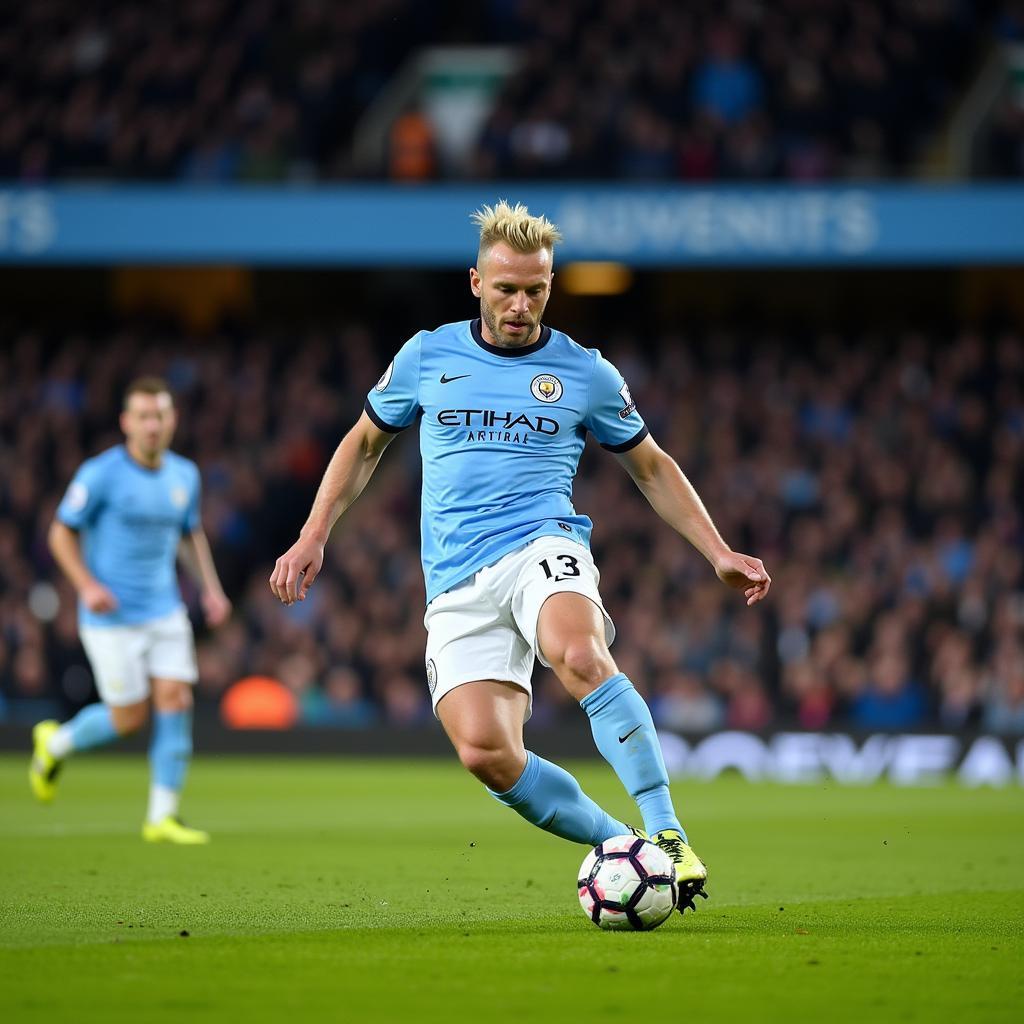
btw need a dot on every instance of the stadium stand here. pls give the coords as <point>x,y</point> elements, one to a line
<point>264,90</point>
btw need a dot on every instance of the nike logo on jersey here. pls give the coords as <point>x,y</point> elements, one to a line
<point>445,379</point>
<point>622,739</point>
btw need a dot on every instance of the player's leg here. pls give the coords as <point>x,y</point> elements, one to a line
<point>484,721</point>
<point>116,657</point>
<point>171,661</point>
<point>170,751</point>
<point>572,638</point>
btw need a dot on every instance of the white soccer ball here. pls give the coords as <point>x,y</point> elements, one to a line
<point>627,883</point>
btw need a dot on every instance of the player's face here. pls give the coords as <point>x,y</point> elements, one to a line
<point>513,289</point>
<point>148,423</point>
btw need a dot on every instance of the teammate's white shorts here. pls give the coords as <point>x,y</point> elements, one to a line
<point>125,658</point>
<point>486,626</point>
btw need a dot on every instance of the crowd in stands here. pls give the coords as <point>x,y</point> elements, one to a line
<point>798,90</point>
<point>880,477</point>
<point>269,90</point>
<point>200,90</point>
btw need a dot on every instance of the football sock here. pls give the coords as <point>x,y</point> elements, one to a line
<point>550,798</point>
<point>162,802</point>
<point>170,749</point>
<point>624,733</point>
<point>93,726</point>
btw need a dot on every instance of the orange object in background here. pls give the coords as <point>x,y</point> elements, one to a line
<point>259,702</point>
<point>412,148</point>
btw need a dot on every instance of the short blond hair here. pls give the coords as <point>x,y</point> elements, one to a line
<point>514,226</point>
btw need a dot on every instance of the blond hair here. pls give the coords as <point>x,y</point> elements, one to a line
<point>514,226</point>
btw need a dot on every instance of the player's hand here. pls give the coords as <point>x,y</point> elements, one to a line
<point>216,607</point>
<point>746,573</point>
<point>295,571</point>
<point>97,598</point>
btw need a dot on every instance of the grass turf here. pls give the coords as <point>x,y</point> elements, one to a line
<point>397,890</point>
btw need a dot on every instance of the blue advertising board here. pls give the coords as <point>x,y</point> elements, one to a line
<point>381,225</point>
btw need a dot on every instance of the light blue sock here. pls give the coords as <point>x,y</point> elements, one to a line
<point>624,733</point>
<point>170,748</point>
<point>93,726</point>
<point>550,798</point>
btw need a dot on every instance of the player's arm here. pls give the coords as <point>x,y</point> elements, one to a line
<point>346,475</point>
<point>194,553</point>
<point>67,553</point>
<point>672,496</point>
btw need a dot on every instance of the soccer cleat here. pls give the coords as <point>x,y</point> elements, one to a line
<point>638,832</point>
<point>173,830</point>
<point>691,873</point>
<point>44,767</point>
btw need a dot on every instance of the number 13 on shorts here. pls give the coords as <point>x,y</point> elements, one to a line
<point>565,567</point>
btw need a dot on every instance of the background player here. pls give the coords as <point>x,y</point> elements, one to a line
<point>125,517</point>
<point>506,403</point>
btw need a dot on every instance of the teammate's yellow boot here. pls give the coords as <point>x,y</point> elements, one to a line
<point>173,830</point>
<point>44,768</point>
<point>691,873</point>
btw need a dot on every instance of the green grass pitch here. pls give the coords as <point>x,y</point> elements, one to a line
<point>398,891</point>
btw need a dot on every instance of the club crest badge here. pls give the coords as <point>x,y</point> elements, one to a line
<point>546,387</point>
<point>628,402</point>
<point>77,496</point>
<point>385,379</point>
<point>431,675</point>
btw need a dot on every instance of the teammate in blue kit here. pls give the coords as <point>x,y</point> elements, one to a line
<point>127,515</point>
<point>506,404</point>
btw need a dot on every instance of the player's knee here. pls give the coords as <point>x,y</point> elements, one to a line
<point>172,699</point>
<point>497,767</point>
<point>583,663</point>
<point>129,719</point>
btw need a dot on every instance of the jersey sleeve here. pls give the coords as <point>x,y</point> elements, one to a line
<point>393,403</point>
<point>83,498</point>
<point>192,517</point>
<point>611,414</point>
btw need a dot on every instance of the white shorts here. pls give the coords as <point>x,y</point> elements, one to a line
<point>125,658</point>
<point>486,626</point>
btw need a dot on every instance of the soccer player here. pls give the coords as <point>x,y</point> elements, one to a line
<point>506,403</point>
<point>126,516</point>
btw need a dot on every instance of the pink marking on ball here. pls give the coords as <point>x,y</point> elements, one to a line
<point>619,844</point>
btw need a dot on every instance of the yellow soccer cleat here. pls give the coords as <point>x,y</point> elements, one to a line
<point>44,767</point>
<point>691,873</point>
<point>173,830</point>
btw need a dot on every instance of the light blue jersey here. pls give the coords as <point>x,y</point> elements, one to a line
<point>131,520</point>
<point>501,438</point>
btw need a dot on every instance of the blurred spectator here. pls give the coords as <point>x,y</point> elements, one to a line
<point>890,699</point>
<point>1004,707</point>
<point>340,702</point>
<point>683,703</point>
<point>726,85</point>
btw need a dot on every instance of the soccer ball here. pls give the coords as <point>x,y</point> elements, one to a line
<point>628,884</point>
